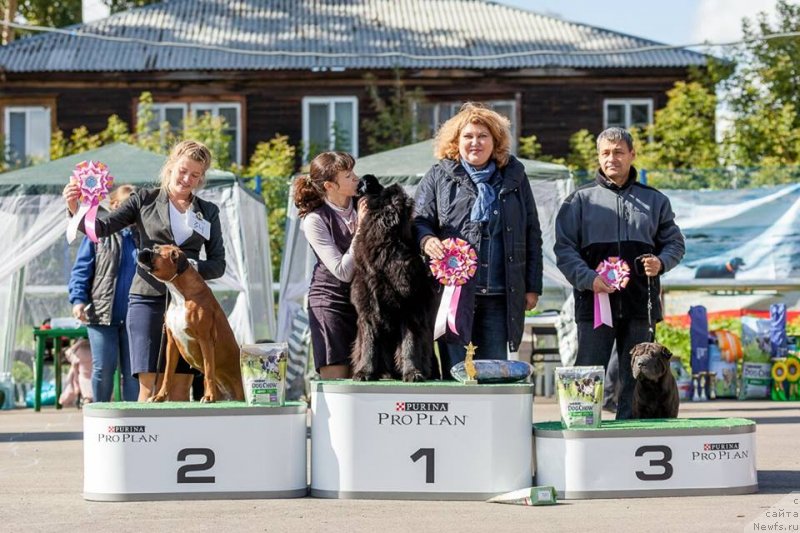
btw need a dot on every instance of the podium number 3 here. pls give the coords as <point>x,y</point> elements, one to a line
<point>427,453</point>
<point>663,462</point>
<point>210,459</point>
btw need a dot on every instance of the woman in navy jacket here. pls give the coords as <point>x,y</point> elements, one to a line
<point>480,193</point>
<point>170,214</point>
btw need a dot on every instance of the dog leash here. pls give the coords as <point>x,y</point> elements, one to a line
<point>650,327</point>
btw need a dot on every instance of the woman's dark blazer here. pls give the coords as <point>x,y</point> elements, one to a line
<point>149,210</point>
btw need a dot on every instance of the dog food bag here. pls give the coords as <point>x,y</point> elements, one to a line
<point>264,373</point>
<point>580,395</point>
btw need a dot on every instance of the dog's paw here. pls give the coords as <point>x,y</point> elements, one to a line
<point>208,398</point>
<point>413,377</point>
<point>158,398</point>
<point>360,376</point>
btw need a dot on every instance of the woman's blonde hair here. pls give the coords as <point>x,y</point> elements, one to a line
<point>120,194</point>
<point>446,146</point>
<point>194,150</point>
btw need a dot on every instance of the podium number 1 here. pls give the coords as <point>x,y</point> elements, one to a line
<point>427,453</point>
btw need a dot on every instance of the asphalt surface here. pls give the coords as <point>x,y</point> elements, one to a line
<point>41,483</point>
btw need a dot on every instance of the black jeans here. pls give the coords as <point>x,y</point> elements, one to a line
<point>594,348</point>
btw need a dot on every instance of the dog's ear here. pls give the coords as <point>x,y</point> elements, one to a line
<point>175,254</point>
<point>665,353</point>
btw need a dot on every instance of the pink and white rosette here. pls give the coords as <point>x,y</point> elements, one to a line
<point>453,270</point>
<point>94,182</point>
<point>617,273</point>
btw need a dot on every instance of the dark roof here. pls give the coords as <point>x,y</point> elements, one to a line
<point>407,165</point>
<point>333,34</point>
<point>127,163</point>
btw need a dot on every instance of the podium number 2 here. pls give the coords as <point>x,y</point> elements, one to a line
<point>427,453</point>
<point>210,459</point>
<point>663,462</point>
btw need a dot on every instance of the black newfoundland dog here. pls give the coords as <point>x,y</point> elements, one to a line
<point>391,290</point>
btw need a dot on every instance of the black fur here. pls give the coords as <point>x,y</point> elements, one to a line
<point>392,292</point>
<point>656,392</point>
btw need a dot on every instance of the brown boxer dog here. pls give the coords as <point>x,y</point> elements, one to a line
<point>656,392</point>
<point>197,328</point>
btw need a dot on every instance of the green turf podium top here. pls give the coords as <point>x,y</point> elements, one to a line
<point>146,409</point>
<point>391,386</point>
<point>672,426</point>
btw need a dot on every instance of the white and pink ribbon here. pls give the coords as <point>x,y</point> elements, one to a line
<point>617,273</point>
<point>453,270</point>
<point>94,182</point>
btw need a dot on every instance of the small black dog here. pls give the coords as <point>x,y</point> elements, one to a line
<point>656,392</point>
<point>392,291</point>
<point>728,270</point>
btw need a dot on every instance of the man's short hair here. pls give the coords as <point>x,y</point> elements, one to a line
<point>615,135</point>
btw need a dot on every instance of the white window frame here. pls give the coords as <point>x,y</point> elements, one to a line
<point>192,108</point>
<point>331,101</point>
<point>455,106</point>
<point>627,102</point>
<point>27,109</point>
<point>160,109</point>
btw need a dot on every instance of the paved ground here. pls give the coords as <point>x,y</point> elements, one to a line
<point>41,479</point>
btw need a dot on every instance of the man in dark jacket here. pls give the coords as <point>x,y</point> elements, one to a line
<point>616,216</point>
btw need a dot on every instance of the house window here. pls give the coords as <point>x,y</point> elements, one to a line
<point>27,134</point>
<point>330,123</point>
<point>429,116</point>
<point>628,113</point>
<point>174,113</point>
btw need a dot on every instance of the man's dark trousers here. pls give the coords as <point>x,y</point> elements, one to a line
<point>594,348</point>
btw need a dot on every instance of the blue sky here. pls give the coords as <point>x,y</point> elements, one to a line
<point>672,22</point>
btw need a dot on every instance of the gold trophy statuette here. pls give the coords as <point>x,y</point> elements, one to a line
<point>469,365</point>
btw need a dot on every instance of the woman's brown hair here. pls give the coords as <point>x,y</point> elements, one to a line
<point>446,146</point>
<point>309,191</point>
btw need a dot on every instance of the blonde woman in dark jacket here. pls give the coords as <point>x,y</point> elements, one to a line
<point>170,214</point>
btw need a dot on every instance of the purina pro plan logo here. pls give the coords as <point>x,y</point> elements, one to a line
<point>126,435</point>
<point>421,414</point>
<point>720,451</point>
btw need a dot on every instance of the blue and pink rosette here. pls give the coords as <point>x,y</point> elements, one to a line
<point>453,270</point>
<point>617,273</point>
<point>94,182</point>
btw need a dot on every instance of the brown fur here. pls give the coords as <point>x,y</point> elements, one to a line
<point>656,392</point>
<point>212,347</point>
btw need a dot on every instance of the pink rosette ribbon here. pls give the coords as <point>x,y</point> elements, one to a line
<point>453,270</point>
<point>617,273</point>
<point>94,182</point>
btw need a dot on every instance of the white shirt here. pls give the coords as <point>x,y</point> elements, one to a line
<point>180,226</point>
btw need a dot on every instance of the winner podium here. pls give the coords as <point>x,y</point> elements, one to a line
<point>191,450</point>
<point>421,441</point>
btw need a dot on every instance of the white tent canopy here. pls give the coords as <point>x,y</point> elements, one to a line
<point>38,260</point>
<point>550,183</point>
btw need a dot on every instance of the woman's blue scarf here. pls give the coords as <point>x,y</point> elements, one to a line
<point>486,195</point>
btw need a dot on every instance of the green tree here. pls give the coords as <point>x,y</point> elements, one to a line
<point>683,132</point>
<point>764,93</point>
<point>122,5</point>
<point>274,162</point>
<point>393,125</point>
<point>54,13</point>
<point>582,156</point>
<point>211,131</point>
